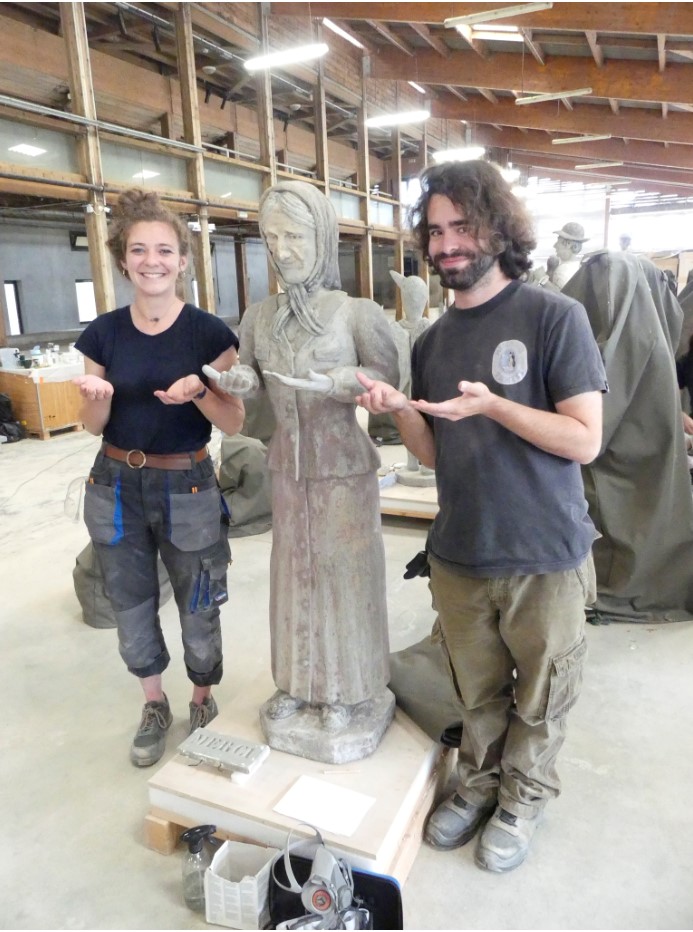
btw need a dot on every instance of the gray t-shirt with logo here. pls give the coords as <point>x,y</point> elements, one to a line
<point>508,508</point>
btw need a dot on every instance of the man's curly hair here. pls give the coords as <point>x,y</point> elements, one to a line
<point>490,208</point>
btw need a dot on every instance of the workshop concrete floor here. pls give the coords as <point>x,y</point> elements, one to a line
<point>615,850</point>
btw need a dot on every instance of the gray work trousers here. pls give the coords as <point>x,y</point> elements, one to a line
<point>134,514</point>
<point>516,649</point>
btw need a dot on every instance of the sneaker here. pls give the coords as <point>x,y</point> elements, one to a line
<point>454,823</point>
<point>150,741</point>
<point>504,843</point>
<point>201,715</point>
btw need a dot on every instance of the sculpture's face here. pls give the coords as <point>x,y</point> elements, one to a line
<point>293,246</point>
<point>564,249</point>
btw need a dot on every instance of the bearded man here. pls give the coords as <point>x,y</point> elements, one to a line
<point>512,380</point>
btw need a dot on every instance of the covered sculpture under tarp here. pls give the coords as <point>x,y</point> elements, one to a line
<point>638,489</point>
<point>245,483</point>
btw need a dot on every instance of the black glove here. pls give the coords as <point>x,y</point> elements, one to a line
<point>418,566</point>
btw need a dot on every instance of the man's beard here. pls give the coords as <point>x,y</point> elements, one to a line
<point>465,278</point>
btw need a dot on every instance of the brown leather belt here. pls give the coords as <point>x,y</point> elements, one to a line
<point>137,459</point>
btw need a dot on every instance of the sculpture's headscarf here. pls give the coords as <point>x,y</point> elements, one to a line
<point>304,203</point>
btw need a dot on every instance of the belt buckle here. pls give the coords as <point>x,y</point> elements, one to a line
<point>136,465</point>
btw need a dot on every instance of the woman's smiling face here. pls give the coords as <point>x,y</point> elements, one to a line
<point>152,257</point>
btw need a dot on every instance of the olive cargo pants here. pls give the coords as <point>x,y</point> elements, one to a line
<point>516,648</point>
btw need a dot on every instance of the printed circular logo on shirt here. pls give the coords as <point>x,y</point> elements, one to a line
<point>510,362</point>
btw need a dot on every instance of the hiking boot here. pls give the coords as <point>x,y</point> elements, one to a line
<point>150,741</point>
<point>504,843</point>
<point>201,715</point>
<point>454,823</point>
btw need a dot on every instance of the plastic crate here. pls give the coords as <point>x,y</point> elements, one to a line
<point>236,886</point>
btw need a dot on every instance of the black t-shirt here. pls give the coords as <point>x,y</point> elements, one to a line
<point>506,507</point>
<point>138,364</point>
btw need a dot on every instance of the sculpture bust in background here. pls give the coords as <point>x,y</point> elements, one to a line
<point>567,247</point>
<point>328,614</point>
<point>414,291</point>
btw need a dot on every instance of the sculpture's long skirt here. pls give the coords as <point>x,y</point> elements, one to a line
<point>328,614</point>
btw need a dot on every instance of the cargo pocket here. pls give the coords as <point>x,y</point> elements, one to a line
<point>210,586</point>
<point>565,681</point>
<point>103,512</point>
<point>194,518</point>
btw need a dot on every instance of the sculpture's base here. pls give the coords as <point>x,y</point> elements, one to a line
<point>403,775</point>
<point>416,477</point>
<point>303,733</point>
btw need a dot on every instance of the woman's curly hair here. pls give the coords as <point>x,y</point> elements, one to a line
<point>489,207</point>
<point>135,206</point>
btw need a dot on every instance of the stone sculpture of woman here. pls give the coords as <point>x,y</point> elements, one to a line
<point>328,619</point>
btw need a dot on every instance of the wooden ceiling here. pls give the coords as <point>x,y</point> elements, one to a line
<point>637,59</point>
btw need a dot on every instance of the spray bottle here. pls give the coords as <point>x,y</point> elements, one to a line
<point>197,859</point>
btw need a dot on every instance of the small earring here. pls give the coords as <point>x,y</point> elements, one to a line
<point>123,273</point>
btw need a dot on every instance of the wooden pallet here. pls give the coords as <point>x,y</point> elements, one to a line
<point>48,433</point>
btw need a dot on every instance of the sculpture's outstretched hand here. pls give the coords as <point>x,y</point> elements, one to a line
<point>316,381</point>
<point>240,380</point>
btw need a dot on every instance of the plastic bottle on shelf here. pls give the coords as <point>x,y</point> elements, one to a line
<point>197,859</point>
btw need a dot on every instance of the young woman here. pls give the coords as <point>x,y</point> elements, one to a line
<point>152,490</point>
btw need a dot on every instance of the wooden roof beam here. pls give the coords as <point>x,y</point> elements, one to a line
<point>388,34</point>
<point>456,91</point>
<point>637,124</point>
<point>488,94</point>
<point>597,53</point>
<point>474,44</point>
<point>636,18</point>
<point>662,51</point>
<point>660,176</point>
<point>604,150</point>
<point>625,80</point>
<point>422,30</point>
<point>533,46</point>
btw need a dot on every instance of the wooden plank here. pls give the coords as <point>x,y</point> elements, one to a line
<point>397,776</point>
<point>160,834</point>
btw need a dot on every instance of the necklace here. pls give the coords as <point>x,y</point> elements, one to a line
<point>159,317</point>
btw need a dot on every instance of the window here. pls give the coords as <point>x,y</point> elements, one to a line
<point>14,312</point>
<point>86,301</point>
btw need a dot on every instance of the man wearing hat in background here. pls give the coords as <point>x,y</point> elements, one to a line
<point>567,247</point>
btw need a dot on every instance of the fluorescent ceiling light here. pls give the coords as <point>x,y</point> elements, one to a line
<point>394,119</point>
<point>558,95</point>
<point>459,155</point>
<point>145,173</point>
<point>491,15</point>
<point>599,165</point>
<point>342,32</point>
<point>567,139</point>
<point>301,53</point>
<point>417,87</point>
<point>25,149</point>
<point>493,35</point>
